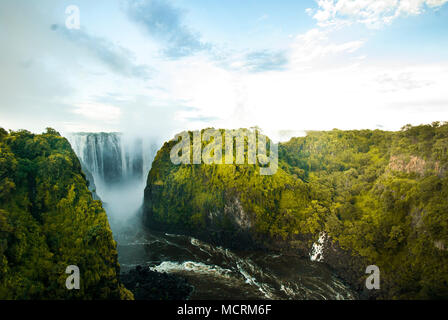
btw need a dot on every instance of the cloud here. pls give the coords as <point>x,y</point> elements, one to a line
<point>50,75</point>
<point>85,81</point>
<point>424,106</point>
<point>311,49</point>
<point>315,45</point>
<point>325,85</point>
<point>98,112</point>
<point>118,59</point>
<point>32,92</point>
<point>402,81</point>
<point>165,23</point>
<point>266,60</point>
<point>372,13</point>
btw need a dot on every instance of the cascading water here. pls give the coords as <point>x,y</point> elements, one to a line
<point>113,157</point>
<point>119,165</point>
<point>316,253</point>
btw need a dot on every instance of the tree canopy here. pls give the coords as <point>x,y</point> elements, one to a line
<point>49,220</point>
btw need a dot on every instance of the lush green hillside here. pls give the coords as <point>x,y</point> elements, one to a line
<point>48,221</point>
<point>225,201</point>
<point>380,196</point>
<point>386,199</point>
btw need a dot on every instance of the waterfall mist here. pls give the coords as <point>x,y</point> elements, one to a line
<point>116,166</point>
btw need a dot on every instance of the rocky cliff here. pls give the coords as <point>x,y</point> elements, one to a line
<point>49,221</point>
<point>380,197</point>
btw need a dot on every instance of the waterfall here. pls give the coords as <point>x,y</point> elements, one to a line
<point>113,157</point>
<point>116,166</point>
<point>316,253</point>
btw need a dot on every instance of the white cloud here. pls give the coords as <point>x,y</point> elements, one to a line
<point>326,85</point>
<point>99,112</point>
<point>315,44</point>
<point>372,13</point>
<point>322,83</point>
<point>403,80</point>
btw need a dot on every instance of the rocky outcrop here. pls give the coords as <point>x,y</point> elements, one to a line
<point>382,209</point>
<point>415,164</point>
<point>150,285</point>
<point>346,265</point>
<point>411,165</point>
<point>90,181</point>
<point>230,226</point>
<point>233,214</point>
<point>440,244</point>
<point>214,203</point>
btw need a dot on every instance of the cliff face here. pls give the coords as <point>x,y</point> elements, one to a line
<point>232,205</point>
<point>381,198</point>
<point>48,221</point>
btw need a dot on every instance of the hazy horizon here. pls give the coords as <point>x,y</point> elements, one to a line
<point>157,67</point>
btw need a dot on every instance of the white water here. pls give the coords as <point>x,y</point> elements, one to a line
<point>218,273</point>
<point>119,165</point>
<point>192,266</point>
<point>114,157</point>
<point>316,253</point>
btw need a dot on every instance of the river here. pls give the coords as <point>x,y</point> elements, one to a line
<point>219,273</point>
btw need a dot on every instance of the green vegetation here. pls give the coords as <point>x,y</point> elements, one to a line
<point>386,199</point>
<point>382,196</point>
<point>188,195</point>
<point>49,220</point>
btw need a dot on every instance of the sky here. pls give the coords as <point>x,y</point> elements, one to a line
<point>157,67</point>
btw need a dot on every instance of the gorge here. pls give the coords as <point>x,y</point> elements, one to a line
<point>378,197</point>
<point>117,173</point>
<point>339,202</point>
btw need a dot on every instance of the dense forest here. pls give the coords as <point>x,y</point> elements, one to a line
<point>381,197</point>
<point>49,220</point>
